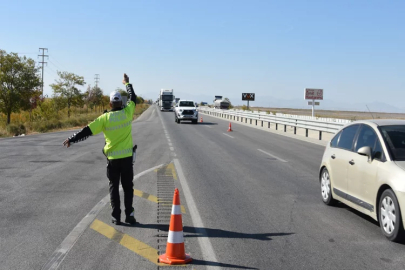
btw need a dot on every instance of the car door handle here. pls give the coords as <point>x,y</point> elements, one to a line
<point>351,162</point>
<point>333,156</point>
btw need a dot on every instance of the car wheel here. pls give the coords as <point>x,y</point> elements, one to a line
<point>326,188</point>
<point>390,216</point>
<point>178,121</point>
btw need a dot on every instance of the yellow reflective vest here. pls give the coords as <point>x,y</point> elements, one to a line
<point>117,129</point>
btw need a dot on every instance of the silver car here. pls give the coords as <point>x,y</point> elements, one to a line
<point>364,167</point>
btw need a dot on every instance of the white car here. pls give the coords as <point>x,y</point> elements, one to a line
<point>185,110</point>
<point>364,167</point>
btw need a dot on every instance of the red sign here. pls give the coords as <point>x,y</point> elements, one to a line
<point>313,94</point>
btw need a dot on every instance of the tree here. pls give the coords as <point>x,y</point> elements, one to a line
<point>65,87</point>
<point>18,80</point>
<point>230,104</point>
<point>94,96</point>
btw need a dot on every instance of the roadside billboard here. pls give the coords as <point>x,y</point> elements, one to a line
<point>248,96</point>
<point>313,94</point>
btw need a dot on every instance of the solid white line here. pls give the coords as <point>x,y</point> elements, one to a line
<point>208,127</point>
<point>228,135</point>
<point>60,253</point>
<point>205,243</point>
<point>280,159</point>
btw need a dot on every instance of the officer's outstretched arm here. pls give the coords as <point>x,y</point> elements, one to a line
<point>77,137</point>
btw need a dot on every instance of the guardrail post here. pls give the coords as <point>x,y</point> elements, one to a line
<point>306,132</point>
<point>295,130</point>
<point>245,120</point>
<point>276,126</point>
<point>285,128</point>
<point>256,122</point>
<point>262,123</point>
<point>268,125</point>
<point>320,135</point>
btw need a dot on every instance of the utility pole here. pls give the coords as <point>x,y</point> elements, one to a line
<point>43,58</point>
<point>96,79</point>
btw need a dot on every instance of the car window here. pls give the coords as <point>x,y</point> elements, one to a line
<point>335,140</point>
<point>347,136</point>
<point>367,137</point>
<point>394,137</point>
<point>186,104</point>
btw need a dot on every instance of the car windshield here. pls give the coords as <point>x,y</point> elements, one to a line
<point>167,97</point>
<point>186,104</point>
<point>394,137</point>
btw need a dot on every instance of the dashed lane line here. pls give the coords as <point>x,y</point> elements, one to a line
<point>60,253</point>
<point>228,135</point>
<point>273,156</point>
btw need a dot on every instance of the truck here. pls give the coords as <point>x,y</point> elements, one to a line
<point>185,110</point>
<point>166,100</point>
<point>220,103</point>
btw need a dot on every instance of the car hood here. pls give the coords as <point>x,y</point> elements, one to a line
<point>400,164</point>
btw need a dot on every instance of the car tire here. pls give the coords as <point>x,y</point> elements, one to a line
<point>389,216</point>
<point>326,188</point>
<point>194,121</point>
<point>178,121</point>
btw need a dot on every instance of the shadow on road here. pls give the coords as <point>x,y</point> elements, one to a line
<point>218,264</point>
<point>215,233</point>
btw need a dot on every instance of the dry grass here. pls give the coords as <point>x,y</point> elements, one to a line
<point>20,123</point>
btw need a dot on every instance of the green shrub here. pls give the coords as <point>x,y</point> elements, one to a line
<point>16,129</point>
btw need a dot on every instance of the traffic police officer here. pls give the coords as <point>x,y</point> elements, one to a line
<point>117,128</point>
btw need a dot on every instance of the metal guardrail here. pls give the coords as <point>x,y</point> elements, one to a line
<point>328,125</point>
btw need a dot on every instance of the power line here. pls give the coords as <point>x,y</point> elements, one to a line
<point>43,59</point>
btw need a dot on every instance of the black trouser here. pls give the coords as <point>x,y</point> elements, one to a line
<point>116,169</point>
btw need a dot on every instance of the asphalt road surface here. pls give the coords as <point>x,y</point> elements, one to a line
<point>251,200</point>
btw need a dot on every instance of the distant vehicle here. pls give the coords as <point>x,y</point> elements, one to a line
<point>220,103</point>
<point>175,101</point>
<point>185,110</point>
<point>204,103</point>
<point>166,99</point>
<point>363,166</point>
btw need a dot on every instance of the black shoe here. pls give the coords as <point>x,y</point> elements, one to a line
<point>130,220</point>
<point>116,221</point>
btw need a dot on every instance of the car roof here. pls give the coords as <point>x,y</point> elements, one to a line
<point>185,100</point>
<point>382,122</point>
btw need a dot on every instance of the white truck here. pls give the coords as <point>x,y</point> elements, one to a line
<point>220,103</point>
<point>166,99</point>
<point>185,110</point>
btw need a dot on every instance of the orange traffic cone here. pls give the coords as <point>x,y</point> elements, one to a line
<point>175,253</point>
<point>230,127</point>
<point>201,120</point>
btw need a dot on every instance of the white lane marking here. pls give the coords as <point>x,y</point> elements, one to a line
<point>60,253</point>
<point>205,243</point>
<point>170,144</point>
<point>228,135</point>
<point>171,149</point>
<point>276,157</point>
<point>208,126</point>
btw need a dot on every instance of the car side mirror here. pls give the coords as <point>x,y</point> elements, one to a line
<point>365,151</point>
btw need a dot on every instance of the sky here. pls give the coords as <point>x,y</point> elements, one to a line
<point>354,50</point>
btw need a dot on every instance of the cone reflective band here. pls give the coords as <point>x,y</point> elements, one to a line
<point>175,253</point>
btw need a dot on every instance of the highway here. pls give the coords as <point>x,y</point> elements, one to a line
<point>251,200</point>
